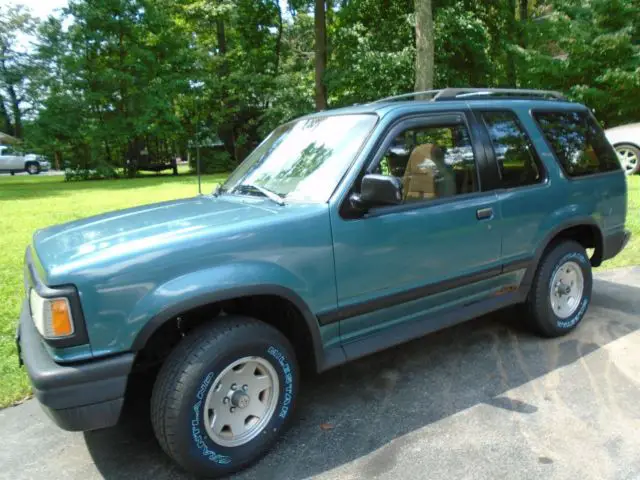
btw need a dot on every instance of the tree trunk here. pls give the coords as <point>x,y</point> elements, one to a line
<point>5,120</point>
<point>222,38</point>
<point>425,48</point>
<point>14,102</point>
<point>320,54</point>
<point>15,110</point>
<point>523,6</point>
<point>524,10</point>
<point>278,37</point>
<point>512,29</point>
<point>57,159</point>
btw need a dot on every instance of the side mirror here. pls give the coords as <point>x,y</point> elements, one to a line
<point>378,190</point>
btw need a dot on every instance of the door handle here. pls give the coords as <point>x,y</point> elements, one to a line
<point>484,213</point>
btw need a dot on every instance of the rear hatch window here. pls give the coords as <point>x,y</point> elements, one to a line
<point>578,142</point>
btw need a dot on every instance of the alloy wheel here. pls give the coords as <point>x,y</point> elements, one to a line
<point>241,401</point>
<point>567,288</point>
<point>629,159</point>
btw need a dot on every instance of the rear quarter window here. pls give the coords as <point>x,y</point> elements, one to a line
<point>578,143</point>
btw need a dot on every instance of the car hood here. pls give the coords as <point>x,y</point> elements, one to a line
<point>70,246</point>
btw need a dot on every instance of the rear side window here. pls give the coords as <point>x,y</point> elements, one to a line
<point>516,157</point>
<point>578,142</point>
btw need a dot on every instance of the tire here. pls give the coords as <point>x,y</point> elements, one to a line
<point>187,385</point>
<point>560,268</point>
<point>629,156</point>
<point>32,168</point>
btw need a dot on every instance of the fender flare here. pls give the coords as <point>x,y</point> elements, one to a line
<point>229,294</point>
<point>626,142</point>
<point>573,222</point>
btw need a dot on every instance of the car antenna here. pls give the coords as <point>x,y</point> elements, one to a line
<point>198,168</point>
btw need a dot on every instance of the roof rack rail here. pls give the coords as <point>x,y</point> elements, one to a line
<point>469,93</point>
<point>478,94</point>
<point>393,98</point>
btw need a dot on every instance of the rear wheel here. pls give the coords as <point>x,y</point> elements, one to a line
<point>561,290</point>
<point>629,156</point>
<point>32,168</point>
<point>224,395</point>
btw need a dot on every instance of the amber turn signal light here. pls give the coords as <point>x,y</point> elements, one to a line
<point>61,325</point>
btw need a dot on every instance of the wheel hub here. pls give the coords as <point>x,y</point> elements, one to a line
<point>567,287</point>
<point>628,158</point>
<point>241,401</point>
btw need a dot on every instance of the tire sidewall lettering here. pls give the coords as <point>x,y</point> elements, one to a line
<point>202,442</point>
<point>197,434</point>
<point>287,393</point>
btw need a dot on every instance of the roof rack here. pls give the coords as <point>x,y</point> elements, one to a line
<point>477,94</point>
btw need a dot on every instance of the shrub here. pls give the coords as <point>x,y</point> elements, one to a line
<point>212,160</point>
<point>101,172</point>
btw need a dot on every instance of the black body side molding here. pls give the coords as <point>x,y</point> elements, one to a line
<point>357,309</point>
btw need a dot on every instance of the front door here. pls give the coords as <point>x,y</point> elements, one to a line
<point>9,160</point>
<point>397,262</point>
<point>5,159</point>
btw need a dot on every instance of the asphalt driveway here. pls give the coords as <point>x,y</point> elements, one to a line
<point>49,173</point>
<point>481,400</point>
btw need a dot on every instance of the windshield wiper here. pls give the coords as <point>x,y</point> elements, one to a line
<point>273,196</point>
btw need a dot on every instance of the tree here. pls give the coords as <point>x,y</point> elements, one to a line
<point>590,51</point>
<point>15,21</point>
<point>120,66</point>
<point>110,78</point>
<point>320,53</point>
<point>425,47</point>
<point>6,125</point>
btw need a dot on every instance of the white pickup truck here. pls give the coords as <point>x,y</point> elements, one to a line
<point>12,161</point>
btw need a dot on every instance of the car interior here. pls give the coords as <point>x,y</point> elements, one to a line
<point>431,162</point>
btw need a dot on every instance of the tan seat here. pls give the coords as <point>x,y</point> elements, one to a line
<point>425,163</point>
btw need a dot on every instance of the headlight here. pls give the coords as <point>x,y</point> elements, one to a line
<point>52,316</point>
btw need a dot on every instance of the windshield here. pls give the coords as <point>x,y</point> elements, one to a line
<point>304,160</point>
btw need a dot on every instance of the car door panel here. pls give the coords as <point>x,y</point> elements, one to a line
<point>394,252</point>
<point>398,263</point>
<point>5,159</point>
<point>18,162</point>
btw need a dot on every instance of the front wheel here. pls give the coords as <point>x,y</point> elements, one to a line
<point>224,395</point>
<point>561,290</point>
<point>629,158</point>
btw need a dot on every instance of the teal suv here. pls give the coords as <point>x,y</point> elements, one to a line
<point>343,233</point>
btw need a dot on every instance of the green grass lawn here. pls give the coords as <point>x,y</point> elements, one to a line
<point>631,254</point>
<point>30,203</point>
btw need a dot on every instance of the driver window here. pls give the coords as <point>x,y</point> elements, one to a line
<point>431,162</point>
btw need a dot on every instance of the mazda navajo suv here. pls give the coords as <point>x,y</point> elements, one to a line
<point>345,232</point>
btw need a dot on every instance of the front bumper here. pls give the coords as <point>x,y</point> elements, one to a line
<point>77,397</point>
